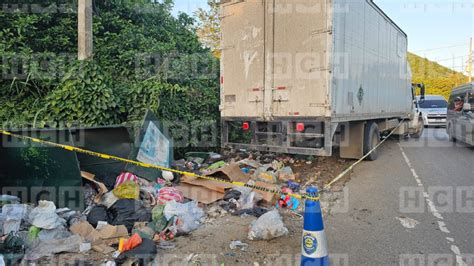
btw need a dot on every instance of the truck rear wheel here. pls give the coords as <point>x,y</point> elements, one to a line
<point>371,140</point>
<point>420,129</point>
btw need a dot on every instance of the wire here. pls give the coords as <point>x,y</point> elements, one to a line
<point>440,48</point>
<point>447,59</point>
<point>350,168</point>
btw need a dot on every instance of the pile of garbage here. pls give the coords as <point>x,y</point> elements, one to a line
<point>266,171</point>
<point>129,217</point>
<point>128,222</point>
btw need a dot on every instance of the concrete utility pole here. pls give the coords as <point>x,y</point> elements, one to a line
<point>469,64</point>
<point>84,29</point>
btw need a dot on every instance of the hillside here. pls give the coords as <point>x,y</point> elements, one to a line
<point>437,78</point>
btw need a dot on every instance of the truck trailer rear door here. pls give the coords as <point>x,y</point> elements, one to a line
<point>243,58</point>
<point>301,37</point>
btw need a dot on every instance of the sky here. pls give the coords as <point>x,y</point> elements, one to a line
<point>437,29</point>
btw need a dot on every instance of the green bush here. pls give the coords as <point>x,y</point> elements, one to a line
<point>144,58</point>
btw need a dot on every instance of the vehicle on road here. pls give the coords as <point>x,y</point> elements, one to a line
<point>303,77</point>
<point>460,120</point>
<point>434,109</point>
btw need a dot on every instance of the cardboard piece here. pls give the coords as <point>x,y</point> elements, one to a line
<point>86,230</point>
<point>209,184</point>
<point>200,194</point>
<point>102,248</point>
<point>267,196</point>
<point>89,233</point>
<point>110,231</point>
<point>101,187</point>
<point>230,172</point>
<point>251,163</point>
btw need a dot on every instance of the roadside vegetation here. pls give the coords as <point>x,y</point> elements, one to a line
<point>144,58</point>
<point>439,80</point>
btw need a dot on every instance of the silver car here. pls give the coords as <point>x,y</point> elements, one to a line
<point>460,124</point>
<point>433,109</point>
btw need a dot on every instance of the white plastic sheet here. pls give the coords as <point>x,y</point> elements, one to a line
<point>268,226</point>
<point>189,214</point>
<point>44,216</point>
<point>13,214</point>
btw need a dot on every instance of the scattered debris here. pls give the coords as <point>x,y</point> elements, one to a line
<point>268,226</point>
<point>44,216</point>
<point>130,212</point>
<point>238,244</point>
<point>53,246</point>
<point>12,215</point>
<point>408,222</point>
<point>188,214</point>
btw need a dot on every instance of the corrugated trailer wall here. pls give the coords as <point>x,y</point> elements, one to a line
<point>312,58</point>
<point>371,77</point>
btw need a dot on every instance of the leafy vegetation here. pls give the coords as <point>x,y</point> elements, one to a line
<point>439,80</point>
<point>208,28</point>
<point>143,58</point>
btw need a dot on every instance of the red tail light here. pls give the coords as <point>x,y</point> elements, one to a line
<point>246,126</point>
<point>300,127</point>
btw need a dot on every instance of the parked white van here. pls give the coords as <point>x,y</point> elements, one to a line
<point>434,110</point>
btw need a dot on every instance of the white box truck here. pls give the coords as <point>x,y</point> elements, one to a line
<point>306,76</point>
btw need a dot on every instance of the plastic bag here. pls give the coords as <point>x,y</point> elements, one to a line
<point>54,246</point>
<point>167,194</point>
<point>13,214</point>
<point>108,199</point>
<point>189,215</point>
<point>97,214</point>
<point>129,244</point>
<point>127,190</point>
<point>13,249</point>
<point>145,253</point>
<point>58,233</point>
<point>248,198</point>
<point>44,216</point>
<point>268,226</point>
<point>33,233</point>
<point>127,212</point>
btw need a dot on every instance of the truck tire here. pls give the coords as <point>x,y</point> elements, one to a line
<point>420,129</point>
<point>371,140</point>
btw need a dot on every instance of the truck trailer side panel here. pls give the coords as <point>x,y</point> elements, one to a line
<point>371,77</point>
<point>297,72</point>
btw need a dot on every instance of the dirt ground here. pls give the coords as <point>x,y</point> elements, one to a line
<point>209,245</point>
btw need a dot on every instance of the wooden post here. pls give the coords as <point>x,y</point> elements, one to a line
<point>84,29</point>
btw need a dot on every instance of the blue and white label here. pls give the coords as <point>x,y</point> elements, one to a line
<point>314,244</point>
<point>155,148</point>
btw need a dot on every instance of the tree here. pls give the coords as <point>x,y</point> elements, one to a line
<point>144,58</point>
<point>439,80</point>
<point>208,27</point>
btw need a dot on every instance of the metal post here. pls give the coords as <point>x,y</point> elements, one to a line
<point>469,64</point>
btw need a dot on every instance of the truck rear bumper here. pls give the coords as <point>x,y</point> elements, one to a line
<point>281,135</point>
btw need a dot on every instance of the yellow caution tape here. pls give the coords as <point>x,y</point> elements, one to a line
<point>350,168</point>
<point>145,165</point>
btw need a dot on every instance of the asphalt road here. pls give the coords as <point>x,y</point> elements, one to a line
<point>413,206</point>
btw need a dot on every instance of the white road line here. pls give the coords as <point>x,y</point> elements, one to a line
<point>433,210</point>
